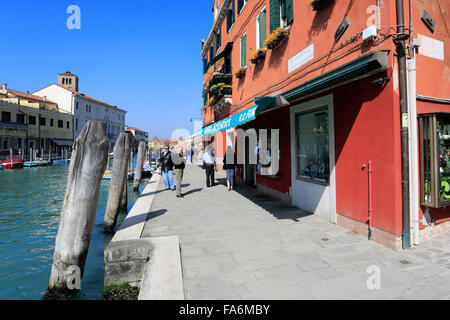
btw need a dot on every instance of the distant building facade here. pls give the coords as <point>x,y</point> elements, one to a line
<point>139,135</point>
<point>32,122</point>
<point>83,107</point>
<point>160,143</point>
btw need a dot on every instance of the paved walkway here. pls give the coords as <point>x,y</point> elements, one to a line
<point>244,245</point>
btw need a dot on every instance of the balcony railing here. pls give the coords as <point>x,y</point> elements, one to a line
<point>219,86</point>
<point>13,125</point>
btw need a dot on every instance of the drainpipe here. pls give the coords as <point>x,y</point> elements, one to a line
<point>413,134</point>
<point>403,90</point>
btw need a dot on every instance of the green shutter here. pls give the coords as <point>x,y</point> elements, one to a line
<point>289,11</point>
<point>274,14</point>
<point>211,53</point>
<point>244,51</point>
<point>218,40</point>
<point>262,28</point>
<point>240,5</point>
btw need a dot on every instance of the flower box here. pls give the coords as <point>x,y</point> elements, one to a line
<point>318,5</point>
<point>226,90</point>
<point>276,37</point>
<point>257,55</point>
<point>240,72</point>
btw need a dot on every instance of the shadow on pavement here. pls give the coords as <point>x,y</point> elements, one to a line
<point>192,191</point>
<point>155,214</point>
<point>275,206</point>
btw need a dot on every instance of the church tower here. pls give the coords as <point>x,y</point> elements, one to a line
<point>68,80</point>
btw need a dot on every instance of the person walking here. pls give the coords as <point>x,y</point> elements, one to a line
<point>209,166</point>
<point>229,165</point>
<point>179,165</point>
<point>166,164</point>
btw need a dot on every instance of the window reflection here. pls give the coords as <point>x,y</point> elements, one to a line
<point>313,159</point>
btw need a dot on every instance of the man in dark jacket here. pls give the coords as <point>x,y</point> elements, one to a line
<point>166,164</point>
<point>180,164</point>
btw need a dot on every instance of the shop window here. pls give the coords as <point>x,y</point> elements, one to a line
<point>313,157</point>
<point>434,159</point>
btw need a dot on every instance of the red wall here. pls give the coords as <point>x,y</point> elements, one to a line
<point>367,128</point>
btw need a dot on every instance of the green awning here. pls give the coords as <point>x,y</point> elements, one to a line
<point>361,67</point>
<point>270,102</point>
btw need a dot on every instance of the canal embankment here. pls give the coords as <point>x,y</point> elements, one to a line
<point>152,264</point>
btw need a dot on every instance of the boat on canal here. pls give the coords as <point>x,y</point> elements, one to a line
<point>15,163</point>
<point>108,173</point>
<point>61,161</point>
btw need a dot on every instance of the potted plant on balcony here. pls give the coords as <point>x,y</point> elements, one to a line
<point>240,72</point>
<point>276,37</point>
<point>318,5</point>
<point>257,55</point>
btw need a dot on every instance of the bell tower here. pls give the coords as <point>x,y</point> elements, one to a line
<point>68,80</point>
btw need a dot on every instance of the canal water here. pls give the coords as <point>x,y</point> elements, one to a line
<point>30,205</point>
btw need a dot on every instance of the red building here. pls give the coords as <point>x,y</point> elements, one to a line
<point>344,82</point>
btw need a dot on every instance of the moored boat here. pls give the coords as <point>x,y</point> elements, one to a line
<point>108,173</point>
<point>15,163</point>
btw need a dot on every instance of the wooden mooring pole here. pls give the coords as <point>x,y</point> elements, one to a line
<point>139,165</point>
<point>79,206</point>
<point>118,177</point>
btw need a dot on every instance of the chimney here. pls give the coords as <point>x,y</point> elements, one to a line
<point>4,86</point>
<point>27,92</point>
<point>45,98</point>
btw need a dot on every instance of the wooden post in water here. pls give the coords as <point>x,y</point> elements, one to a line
<point>42,156</point>
<point>118,176</point>
<point>139,165</point>
<point>79,206</point>
<point>65,150</point>
<point>11,157</point>
<point>124,198</point>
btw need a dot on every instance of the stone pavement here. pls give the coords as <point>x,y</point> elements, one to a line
<point>245,245</point>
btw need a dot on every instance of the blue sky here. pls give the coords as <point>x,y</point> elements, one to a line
<point>143,56</point>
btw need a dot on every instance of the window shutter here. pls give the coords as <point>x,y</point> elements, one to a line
<point>274,14</point>
<point>218,40</point>
<point>211,53</point>
<point>240,5</point>
<point>244,51</point>
<point>205,64</point>
<point>289,11</point>
<point>262,28</point>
